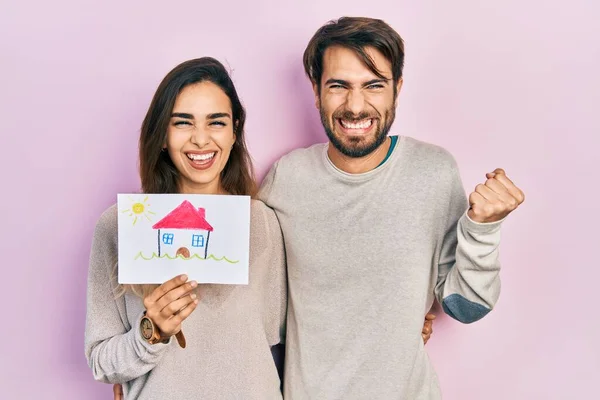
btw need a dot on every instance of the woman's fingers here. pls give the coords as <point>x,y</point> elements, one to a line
<point>427,327</point>
<point>174,323</point>
<point>164,289</point>
<point>175,294</point>
<point>184,313</point>
<point>177,306</point>
<point>167,300</point>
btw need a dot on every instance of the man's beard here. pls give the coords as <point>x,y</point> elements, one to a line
<point>357,148</point>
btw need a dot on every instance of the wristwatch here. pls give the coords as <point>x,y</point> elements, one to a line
<point>151,334</point>
<point>149,331</point>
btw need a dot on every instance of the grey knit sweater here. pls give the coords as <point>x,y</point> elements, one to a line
<point>228,335</point>
<point>367,254</point>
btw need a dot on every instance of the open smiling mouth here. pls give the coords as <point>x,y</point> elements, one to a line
<point>202,160</point>
<point>360,127</point>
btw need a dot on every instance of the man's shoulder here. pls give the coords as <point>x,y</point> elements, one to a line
<point>427,150</point>
<point>302,156</point>
<point>291,171</point>
<point>427,160</point>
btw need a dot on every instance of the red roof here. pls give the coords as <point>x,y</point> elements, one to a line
<point>185,216</point>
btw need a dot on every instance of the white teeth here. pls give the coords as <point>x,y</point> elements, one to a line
<point>364,124</point>
<point>201,157</point>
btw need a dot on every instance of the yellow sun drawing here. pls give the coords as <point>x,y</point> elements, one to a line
<point>139,210</point>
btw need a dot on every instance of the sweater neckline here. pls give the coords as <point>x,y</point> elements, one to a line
<point>331,168</point>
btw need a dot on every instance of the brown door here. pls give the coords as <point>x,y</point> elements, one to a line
<point>183,252</point>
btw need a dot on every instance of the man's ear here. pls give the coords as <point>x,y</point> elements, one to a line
<point>398,88</point>
<point>317,95</point>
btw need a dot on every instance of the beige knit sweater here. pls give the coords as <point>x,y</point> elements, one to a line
<point>228,335</point>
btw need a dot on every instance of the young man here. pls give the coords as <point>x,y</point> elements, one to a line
<point>375,228</point>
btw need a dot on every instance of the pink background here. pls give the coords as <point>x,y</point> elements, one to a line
<point>512,84</point>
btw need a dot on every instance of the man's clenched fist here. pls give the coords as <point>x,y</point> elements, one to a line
<point>494,200</point>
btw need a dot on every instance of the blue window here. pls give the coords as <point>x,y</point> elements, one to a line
<point>168,238</point>
<point>197,241</point>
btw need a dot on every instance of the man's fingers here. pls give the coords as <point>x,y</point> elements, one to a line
<point>495,199</point>
<point>503,194</point>
<point>476,198</point>
<point>496,186</point>
<point>430,316</point>
<point>118,391</point>
<point>511,188</point>
<point>486,192</point>
<point>500,175</point>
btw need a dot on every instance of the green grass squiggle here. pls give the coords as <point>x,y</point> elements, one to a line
<point>196,256</point>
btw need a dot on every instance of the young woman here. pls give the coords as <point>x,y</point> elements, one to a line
<point>192,141</point>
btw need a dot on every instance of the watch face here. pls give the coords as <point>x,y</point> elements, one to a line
<point>146,328</point>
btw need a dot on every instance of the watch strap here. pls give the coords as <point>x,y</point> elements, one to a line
<point>180,339</point>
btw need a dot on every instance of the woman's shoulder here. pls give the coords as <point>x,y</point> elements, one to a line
<point>262,218</point>
<point>105,241</point>
<point>267,254</point>
<point>265,232</point>
<point>107,223</point>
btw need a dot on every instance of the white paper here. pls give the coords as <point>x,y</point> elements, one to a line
<point>161,236</point>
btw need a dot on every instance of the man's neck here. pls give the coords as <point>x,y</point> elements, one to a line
<point>358,165</point>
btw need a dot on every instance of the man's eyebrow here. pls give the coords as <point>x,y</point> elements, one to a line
<point>374,81</point>
<point>182,115</point>
<point>345,83</point>
<point>218,115</point>
<point>337,81</point>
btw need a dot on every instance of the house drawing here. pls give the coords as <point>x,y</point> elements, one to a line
<point>184,231</point>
